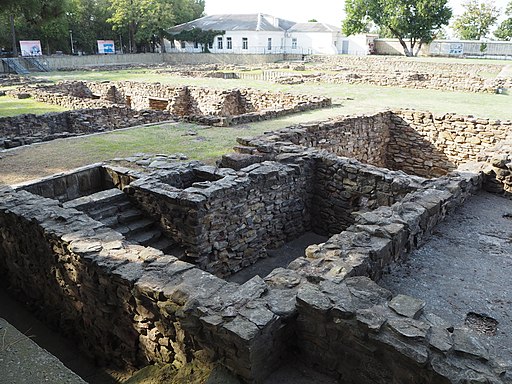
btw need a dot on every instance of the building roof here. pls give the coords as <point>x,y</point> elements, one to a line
<point>236,22</point>
<point>313,27</point>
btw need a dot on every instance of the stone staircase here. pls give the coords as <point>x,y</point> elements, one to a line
<point>113,208</point>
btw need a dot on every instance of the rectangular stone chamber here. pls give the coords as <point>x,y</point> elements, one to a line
<point>251,327</point>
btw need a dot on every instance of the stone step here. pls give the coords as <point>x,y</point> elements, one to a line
<point>164,244</point>
<point>109,211</point>
<point>146,237</point>
<point>129,215</point>
<point>139,226</point>
<point>96,200</point>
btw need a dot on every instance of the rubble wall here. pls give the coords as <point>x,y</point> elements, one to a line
<point>344,186</point>
<point>79,275</point>
<point>227,224</point>
<point>356,331</point>
<point>323,305</point>
<point>364,138</point>
<point>428,145</point>
<point>418,143</point>
<point>29,128</point>
<point>399,72</point>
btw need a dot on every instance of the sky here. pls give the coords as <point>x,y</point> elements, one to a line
<point>327,11</point>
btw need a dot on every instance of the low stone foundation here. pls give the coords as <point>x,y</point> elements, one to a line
<point>29,129</point>
<point>418,143</point>
<point>400,72</point>
<point>207,106</point>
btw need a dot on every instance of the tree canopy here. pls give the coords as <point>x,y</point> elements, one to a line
<point>417,21</point>
<point>504,31</point>
<point>476,21</point>
<point>138,24</point>
<point>197,35</point>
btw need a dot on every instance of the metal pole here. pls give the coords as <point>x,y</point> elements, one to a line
<point>13,35</point>
<point>71,40</point>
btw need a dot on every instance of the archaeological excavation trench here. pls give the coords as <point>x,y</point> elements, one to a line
<point>158,251</point>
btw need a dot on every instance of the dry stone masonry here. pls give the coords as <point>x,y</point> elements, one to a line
<point>69,248</point>
<point>415,142</point>
<point>400,72</point>
<point>117,105</point>
<point>28,129</point>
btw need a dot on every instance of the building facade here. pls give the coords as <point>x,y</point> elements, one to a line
<point>265,34</point>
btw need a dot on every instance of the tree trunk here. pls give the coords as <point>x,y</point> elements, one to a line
<point>162,45</point>
<point>13,36</point>
<point>131,30</point>
<point>419,48</point>
<point>407,52</point>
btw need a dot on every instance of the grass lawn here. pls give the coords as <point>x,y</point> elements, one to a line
<point>13,107</point>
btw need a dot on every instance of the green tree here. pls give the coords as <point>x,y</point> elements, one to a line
<point>415,20</point>
<point>126,14</point>
<point>37,19</point>
<point>476,21</point>
<point>88,21</point>
<point>147,20</point>
<point>504,31</point>
<point>197,35</point>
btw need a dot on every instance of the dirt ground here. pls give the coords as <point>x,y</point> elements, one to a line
<point>463,268</point>
<point>27,163</point>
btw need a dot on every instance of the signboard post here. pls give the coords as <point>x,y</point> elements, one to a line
<point>30,48</point>
<point>106,46</point>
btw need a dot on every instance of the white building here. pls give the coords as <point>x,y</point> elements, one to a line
<point>264,34</point>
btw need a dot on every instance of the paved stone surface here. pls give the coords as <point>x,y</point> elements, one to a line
<point>465,267</point>
<point>280,257</point>
<point>23,361</point>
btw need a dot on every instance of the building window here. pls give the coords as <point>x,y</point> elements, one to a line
<point>245,43</point>
<point>173,44</point>
<point>294,43</point>
<point>229,43</point>
<point>219,42</point>
<point>182,45</point>
<point>269,44</point>
<point>196,44</point>
<point>210,45</point>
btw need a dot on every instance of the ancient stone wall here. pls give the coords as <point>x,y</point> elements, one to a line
<point>29,128</point>
<point>418,143</point>
<point>81,276</point>
<point>397,72</point>
<point>166,309</point>
<point>364,138</point>
<point>202,105</point>
<point>227,220</point>
<point>343,186</point>
<point>428,145</point>
<point>322,305</point>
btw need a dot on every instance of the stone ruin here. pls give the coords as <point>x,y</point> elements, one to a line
<point>96,107</point>
<point>136,265</point>
<point>347,69</point>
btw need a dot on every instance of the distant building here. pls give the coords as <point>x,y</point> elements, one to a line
<point>260,33</point>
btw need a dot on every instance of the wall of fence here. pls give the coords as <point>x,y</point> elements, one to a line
<point>67,61</point>
<point>453,48</point>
